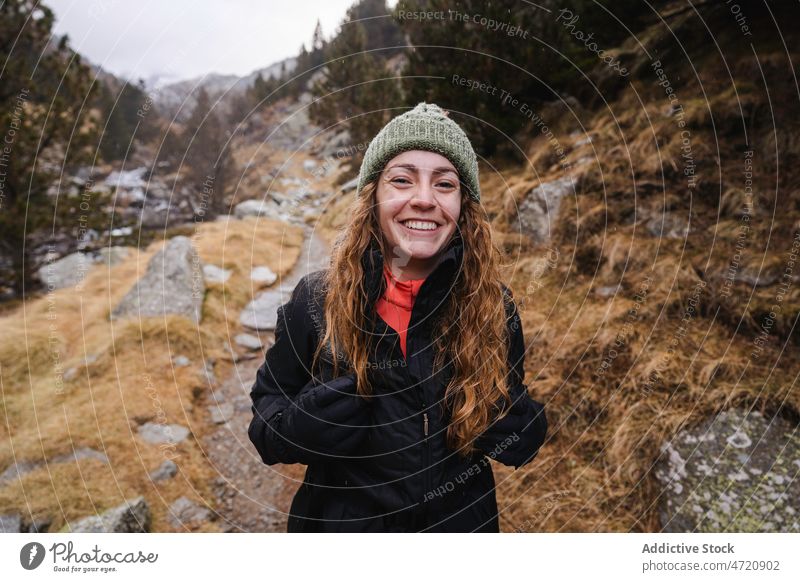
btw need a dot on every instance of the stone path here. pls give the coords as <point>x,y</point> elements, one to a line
<point>253,497</point>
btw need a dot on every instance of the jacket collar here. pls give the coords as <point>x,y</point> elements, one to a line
<point>436,285</point>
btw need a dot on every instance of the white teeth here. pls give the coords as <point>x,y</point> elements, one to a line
<point>420,225</point>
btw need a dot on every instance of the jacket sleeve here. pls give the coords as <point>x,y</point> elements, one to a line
<point>284,376</point>
<point>515,439</point>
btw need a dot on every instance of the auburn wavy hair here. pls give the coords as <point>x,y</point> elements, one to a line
<point>469,327</point>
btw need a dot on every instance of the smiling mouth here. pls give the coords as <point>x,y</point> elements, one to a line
<point>421,225</point>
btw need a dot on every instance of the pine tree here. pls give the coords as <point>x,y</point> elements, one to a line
<point>46,123</point>
<point>355,88</point>
<point>208,156</point>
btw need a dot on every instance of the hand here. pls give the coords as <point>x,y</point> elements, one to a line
<point>329,419</point>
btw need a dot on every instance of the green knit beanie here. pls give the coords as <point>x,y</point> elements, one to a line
<point>426,127</point>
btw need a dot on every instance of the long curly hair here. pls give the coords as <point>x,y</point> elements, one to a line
<point>470,329</point>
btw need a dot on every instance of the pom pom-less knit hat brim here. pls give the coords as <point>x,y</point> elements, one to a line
<point>426,127</point>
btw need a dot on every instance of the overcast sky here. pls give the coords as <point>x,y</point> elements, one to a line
<point>182,39</point>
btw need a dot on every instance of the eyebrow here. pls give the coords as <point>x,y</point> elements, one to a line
<point>413,168</point>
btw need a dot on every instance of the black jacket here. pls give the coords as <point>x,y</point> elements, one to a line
<point>392,472</point>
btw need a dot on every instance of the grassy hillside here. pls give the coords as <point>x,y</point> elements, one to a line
<point>129,379</point>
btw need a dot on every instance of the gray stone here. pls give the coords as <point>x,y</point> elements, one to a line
<point>157,434</point>
<point>185,512</point>
<point>173,284</point>
<point>80,454</point>
<point>607,291</point>
<point>10,523</point>
<point>214,274</point>
<point>18,470</point>
<point>22,468</point>
<point>263,275</point>
<point>742,480</point>
<point>538,211</point>
<point>262,312</point>
<point>40,525</point>
<point>349,185</point>
<point>167,470</point>
<point>181,361</point>
<point>221,413</point>
<point>111,256</point>
<point>65,272</point>
<point>249,341</point>
<point>255,208</point>
<point>132,516</point>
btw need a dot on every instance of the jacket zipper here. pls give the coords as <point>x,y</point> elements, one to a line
<point>426,447</point>
<point>426,453</point>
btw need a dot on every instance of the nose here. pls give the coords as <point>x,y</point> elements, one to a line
<point>423,196</point>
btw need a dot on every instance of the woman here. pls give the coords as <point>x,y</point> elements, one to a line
<point>397,373</point>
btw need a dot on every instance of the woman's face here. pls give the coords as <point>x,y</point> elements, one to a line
<point>419,203</point>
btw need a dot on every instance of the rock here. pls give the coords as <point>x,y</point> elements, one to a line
<point>173,284</point>
<point>185,512</point>
<point>10,523</point>
<point>209,373</point>
<point>130,184</point>
<point>249,341</point>
<point>65,272</point>
<point>124,231</point>
<point>214,274</point>
<point>181,361</point>
<point>167,470</point>
<point>22,468</point>
<point>133,516</point>
<point>538,211</point>
<point>18,470</point>
<point>221,413</point>
<point>111,256</point>
<point>349,185</point>
<point>336,146</point>
<point>263,275</point>
<point>667,225</point>
<point>157,434</point>
<point>40,525</point>
<point>262,312</point>
<point>255,208</point>
<point>607,291</point>
<point>735,472</point>
<point>80,454</point>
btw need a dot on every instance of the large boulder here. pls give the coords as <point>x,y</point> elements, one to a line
<point>65,272</point>
<point>70,270</point>
<point>735,472</point>
<point>173,284</point>
<point>132,516</point>
<point>538,211</point>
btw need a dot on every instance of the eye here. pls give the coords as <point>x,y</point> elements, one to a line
<point>400,180</point>
<point>446,184</point>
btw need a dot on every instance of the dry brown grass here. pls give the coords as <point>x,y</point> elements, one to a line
<point>131,381</point>
<point>595,473</point>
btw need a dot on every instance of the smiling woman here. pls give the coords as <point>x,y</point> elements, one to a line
<point>414,308</point>
<point>419,203</point>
